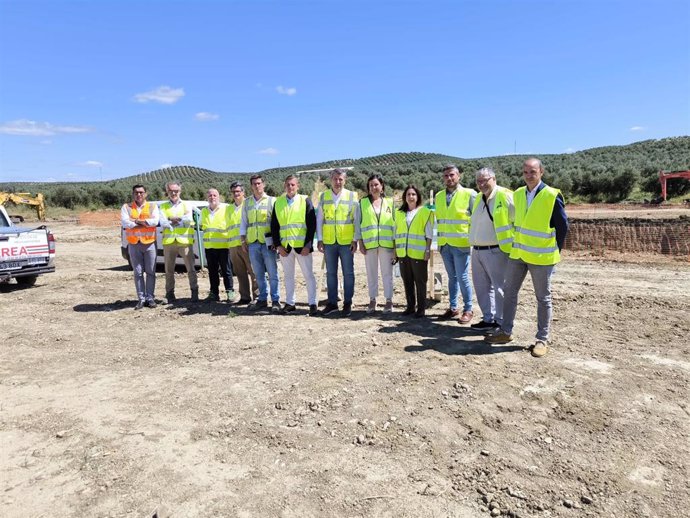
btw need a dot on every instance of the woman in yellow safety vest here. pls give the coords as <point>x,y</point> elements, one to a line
<point>414,226</point>
<point>375,229</point>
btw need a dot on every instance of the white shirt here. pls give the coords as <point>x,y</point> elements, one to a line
<point>128,222</point>
<point>532,194</point>
<point>482,230</point>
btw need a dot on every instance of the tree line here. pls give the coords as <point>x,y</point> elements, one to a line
<point>607,174</point>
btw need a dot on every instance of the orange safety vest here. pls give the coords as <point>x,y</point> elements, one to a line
<point>146,235</point>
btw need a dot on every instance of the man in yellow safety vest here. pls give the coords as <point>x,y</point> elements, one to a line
<point>293,224</point>
<point>541,225</point>
<point>178,240</point>
<point>239,255</point>
<point>215,222</point>
<point>453,210</point>
<point>335,231</point>
<point>491,237</point>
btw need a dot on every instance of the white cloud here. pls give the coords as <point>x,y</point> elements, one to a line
<point>162,95</point>
<point>268,151</point>
<point>286,91</point>
<point>91,163</point>
<point>25,127</point>
<point>569,150</point>
<point>164,166</point>
<point>206,116</point>
<point>637,128</point>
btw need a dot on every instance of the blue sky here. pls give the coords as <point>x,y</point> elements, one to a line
<point>105,89</point>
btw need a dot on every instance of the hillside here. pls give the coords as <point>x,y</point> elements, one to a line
<point>612,174</point>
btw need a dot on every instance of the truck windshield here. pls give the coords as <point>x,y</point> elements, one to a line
<point>3,221</point>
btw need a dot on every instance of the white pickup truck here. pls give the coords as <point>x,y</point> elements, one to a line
<point>25,253</point>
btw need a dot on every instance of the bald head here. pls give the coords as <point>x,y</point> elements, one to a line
<point>532,171</point>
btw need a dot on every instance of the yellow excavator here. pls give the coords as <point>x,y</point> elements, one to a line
<point>25,198</point>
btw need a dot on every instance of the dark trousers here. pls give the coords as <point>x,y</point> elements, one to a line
<point>218,261</point>
<point>414,273</point>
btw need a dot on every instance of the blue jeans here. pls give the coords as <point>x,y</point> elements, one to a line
<point>333,253</point>
<point>457,263</point>
<point>265,261</point>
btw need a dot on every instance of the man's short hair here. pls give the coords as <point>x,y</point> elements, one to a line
<point>255,177</point>
<point>138,186</point>
<point>235,185</point>
<point>172,182</point>
<point>339,171</point>
<point>291,177</point>
<point>448,167</point>
<point>485,171</point>
<point>534,159</point>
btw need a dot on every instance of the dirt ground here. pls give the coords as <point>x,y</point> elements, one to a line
<point>190,411</point>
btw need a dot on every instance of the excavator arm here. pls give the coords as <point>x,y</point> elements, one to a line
<point>25,198</point>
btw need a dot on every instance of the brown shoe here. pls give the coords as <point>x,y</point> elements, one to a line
<point>466,317</point>
<point>450,314</point>
<point>539,349</point>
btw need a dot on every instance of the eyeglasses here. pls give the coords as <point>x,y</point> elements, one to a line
<point>139,192</point>
<point>237,192</point>
<point>174,192</point>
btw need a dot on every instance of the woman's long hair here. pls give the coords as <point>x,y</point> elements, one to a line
<point>404,207</point>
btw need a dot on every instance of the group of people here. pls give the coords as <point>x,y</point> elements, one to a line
<point>501,233</point>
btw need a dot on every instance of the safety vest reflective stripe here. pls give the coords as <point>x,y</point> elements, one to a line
<point>535,239</point>
<point>216,226</point>
<point>534,233</point>
<point>534,249</point>
<point>145,235</point>
<point>410,241</point>
<point>454,219</point>
<point>292,220</point>
<point>183,235</point>
<point>338,221</point>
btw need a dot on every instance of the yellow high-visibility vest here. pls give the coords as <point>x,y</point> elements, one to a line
<point>183,235</point>
<point>338,222</point>
<point>377,229</point>
<point>292,219</point>
<point>410,241</point>
<point>454,219</point>
<point>501,216</point>
<point>535,238</point>
<point>258,219</point>
<point>235,219</point>
<point>216,226</point>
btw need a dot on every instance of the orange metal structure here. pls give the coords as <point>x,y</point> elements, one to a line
<point>665,175</point>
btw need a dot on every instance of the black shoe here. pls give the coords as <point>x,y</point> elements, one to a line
<point>259,304</point>
<point>288,308</point>
<point>212,297</point>
<point>151,303</point>
<point>347,310</point>
<point>419,313</point>
<point>313,310</point>
<point>243,302</point>
<point>328,309</point>
<point>408,311</point>
<point>275,307</point>
<point>484,325</point>
<point>139,305</point>
<point>170,298</point>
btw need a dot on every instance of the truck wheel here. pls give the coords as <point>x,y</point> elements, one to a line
<point>27,281</point>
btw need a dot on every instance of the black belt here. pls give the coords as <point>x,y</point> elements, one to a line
<point>490,247</point>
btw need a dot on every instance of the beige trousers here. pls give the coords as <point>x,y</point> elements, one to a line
<point>242,269</point>
<point>170,253</point>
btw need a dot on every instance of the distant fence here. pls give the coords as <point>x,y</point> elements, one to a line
<point>659,236</point>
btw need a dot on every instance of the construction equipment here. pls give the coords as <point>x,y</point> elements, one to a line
<point>665,175</point>
<point>25,198</point>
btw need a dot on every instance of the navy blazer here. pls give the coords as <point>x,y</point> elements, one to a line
<point>559,219</point>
